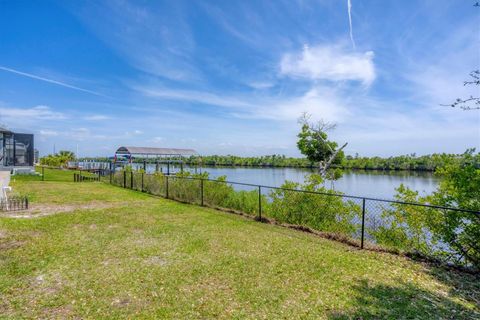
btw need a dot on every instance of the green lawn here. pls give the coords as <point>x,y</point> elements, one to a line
<point>139,256</point>
<point>50,175</point>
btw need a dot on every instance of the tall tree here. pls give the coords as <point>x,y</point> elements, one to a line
<point>314,144</point>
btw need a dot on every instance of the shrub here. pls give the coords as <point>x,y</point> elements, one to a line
<point>327,212</point>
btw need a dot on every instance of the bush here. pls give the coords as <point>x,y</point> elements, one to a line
<point>327,212</point>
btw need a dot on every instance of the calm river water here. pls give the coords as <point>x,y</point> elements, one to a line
<point>376,184</point>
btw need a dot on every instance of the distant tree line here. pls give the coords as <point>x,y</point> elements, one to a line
<point>404,162</point>
<point>410,162</point>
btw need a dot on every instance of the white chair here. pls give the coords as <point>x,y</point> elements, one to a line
<point>4,182</point>
<point>5,197</point>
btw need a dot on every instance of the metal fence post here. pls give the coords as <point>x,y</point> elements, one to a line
<point>26,203</point>
<point>99,174</point>
<point>124,179</point>
<point>259,202</point>
<point>166,189</point>
<point>201,192</point>
<point>131,180</point>
<point>43,173</point>
<point>363,223</point>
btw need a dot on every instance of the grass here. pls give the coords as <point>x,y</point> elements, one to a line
<point>146,257</point>
<point>50,174</point>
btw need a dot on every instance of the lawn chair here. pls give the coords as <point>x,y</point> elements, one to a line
<point>4,182</point>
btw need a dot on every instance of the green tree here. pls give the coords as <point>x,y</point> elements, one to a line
<point>59,159</point>
<point>314,144</point>
<point>413,226</point>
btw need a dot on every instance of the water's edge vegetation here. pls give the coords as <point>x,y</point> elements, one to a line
<point>410,162</point>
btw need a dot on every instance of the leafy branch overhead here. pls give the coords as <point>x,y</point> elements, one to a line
<point>471,103</point>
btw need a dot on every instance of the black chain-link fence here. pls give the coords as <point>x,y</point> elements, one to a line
<point>441,233</point>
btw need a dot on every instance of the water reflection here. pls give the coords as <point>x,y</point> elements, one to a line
<point>377,184</point>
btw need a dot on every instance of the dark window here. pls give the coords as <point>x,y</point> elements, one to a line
<point>2,149</point>
<point>23,152</point>
<point>8,150</point>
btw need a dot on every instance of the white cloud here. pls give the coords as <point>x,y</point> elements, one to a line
<point>59,83</point>
<point>48,133</point>
<point>349,7</point>
<point>96,117</point>
<point>195,96</point>
<point>157,139</point>
<point>329,62</point>
<point>260,85</point>
<point>27,114</point>
<point>133,133</point>
<point>84,134</point>
<point>159,33</point>
<point>321,101</point>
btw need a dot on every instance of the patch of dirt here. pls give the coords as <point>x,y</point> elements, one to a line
<point>11,244</point>
<point>206,290</point>
<point>144,242</point>
<point>60,312</point>
<point>110,262</point>
<point>121,302</point>
<point>137,231</point>
<point>42,210</point>
<point>156,260</point>
<point>48,284</point>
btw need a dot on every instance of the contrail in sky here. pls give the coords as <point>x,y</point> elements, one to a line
<point>349,4</point>
<point>66,85</point>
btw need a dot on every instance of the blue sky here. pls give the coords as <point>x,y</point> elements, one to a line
<point>232,77</point>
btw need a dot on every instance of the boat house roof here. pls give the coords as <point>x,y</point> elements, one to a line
<point>4,130</point>
<point>151,151</point>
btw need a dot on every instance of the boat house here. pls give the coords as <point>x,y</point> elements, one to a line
<point>130,153</point>
<point>146,155</point>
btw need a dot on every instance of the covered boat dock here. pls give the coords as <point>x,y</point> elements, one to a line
<point>125,155</point>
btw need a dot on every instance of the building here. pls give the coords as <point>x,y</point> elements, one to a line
<point>16,149</point>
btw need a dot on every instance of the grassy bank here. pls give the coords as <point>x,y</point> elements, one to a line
<point>115,253</point>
